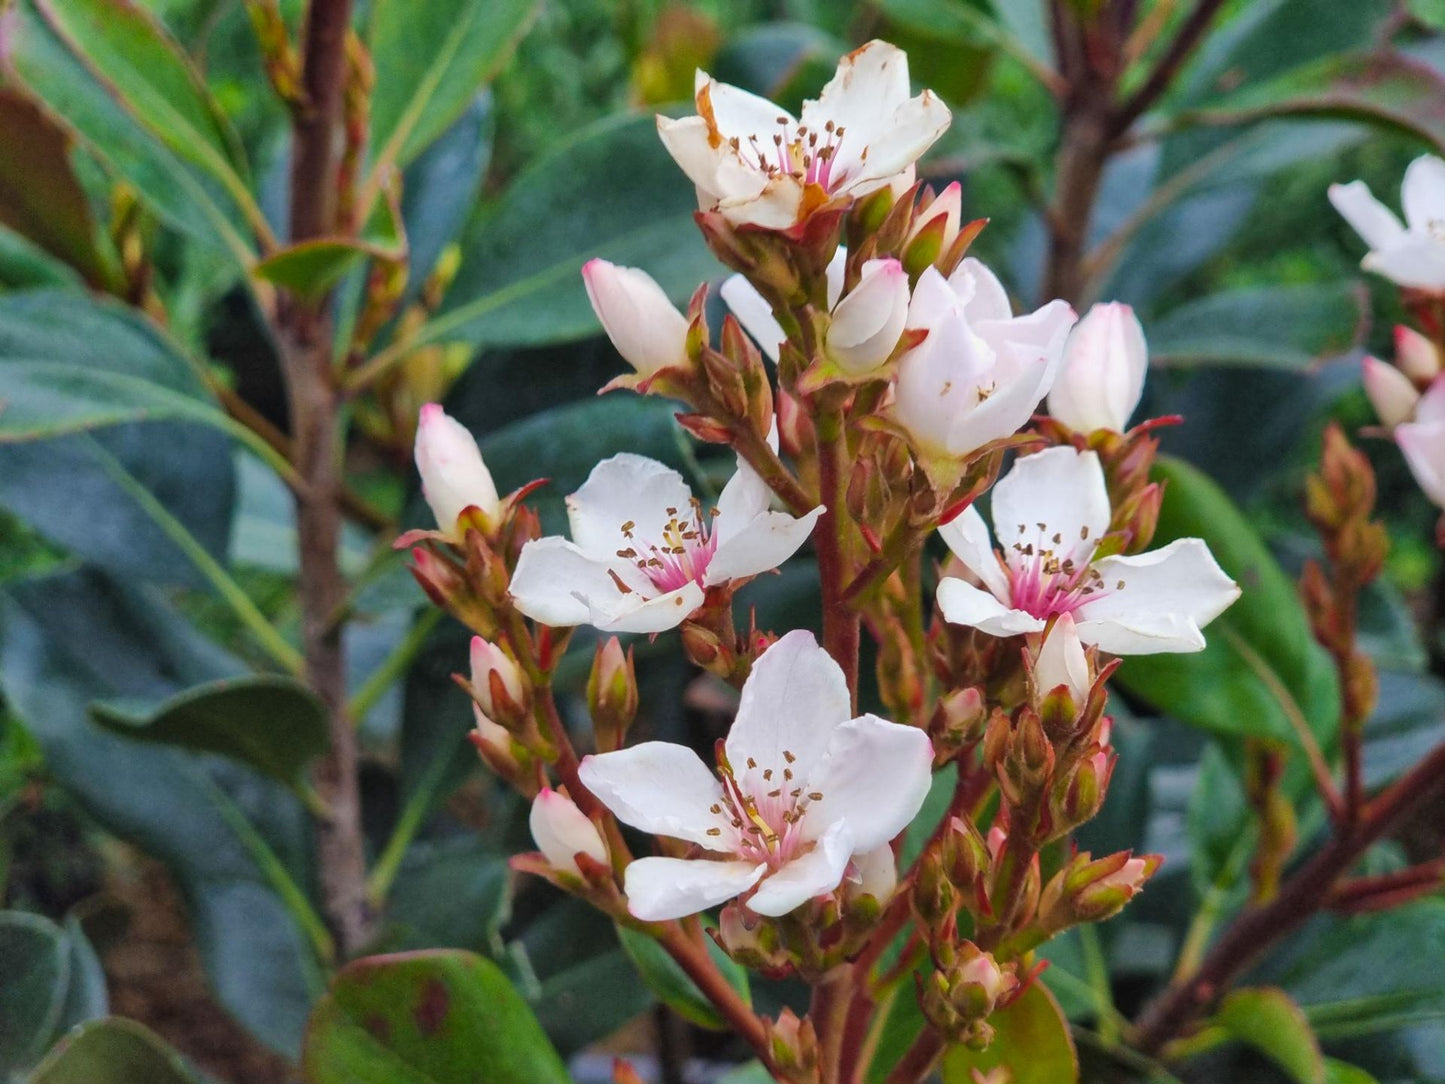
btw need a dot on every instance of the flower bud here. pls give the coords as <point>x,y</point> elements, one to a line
<point>453,476</point>
<point>965,854</point>
<point>562,831</point>
<point>642,323</point>
<point>496,681</point>
<point>947,206</point>
<point>1061,661</point>
<point>1417,357</point>
<point>867,323</point>
<point>1087,890</point>
<point>877,872</point>
<point>1102,377</point>
<point>1390,391</point>
<point>612,694</point>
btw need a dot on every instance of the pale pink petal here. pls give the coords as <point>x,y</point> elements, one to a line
<point>1423,445</point>
<point>763,543</point>
<point>644,326</point>
<point>967,536</point>
<point>562,831</point>
<point>626,490</point>
<point>875,778</point>
<point>453,475</point>
<point>1062,661</point>
<point>962,603</point>
<point>875,873</point>
<point>691,146</point>
<point>815,873</point>
<point>1372,220</point>
<point>1102,376</point>
<point>741,114</point>
<point>660,889</point>
<point>617,612</point>
<point>867,323</point>
<point>1060,488</point>
<point>661,788</point>
<point>1431,407</point>
<point>1390,392</point>
<point>983,296</point>
<point>1417,260</point>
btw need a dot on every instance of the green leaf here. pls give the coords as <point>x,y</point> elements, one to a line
<point>671,984</point>
<point>1288,327</point>
<point>40,197</point>
<point>1261,667</point>
<point>86,997</point>
<point>446,1017</point>
<point>274,724</point>
<point>45,399</point>
<point>1268,1020</point>
<point>1339,1072</point>
<point>310,268</point>
<point>431,60</point>
<point>34,977</point>
<point>116,1051</point>
<point>1031,1040</point>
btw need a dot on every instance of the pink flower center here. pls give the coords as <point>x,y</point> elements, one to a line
<point>681,554</point>
<point>1049,576</point>
<point>763,810</point>
<point>798,152</point>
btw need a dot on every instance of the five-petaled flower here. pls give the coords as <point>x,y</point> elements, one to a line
<point>756,165</point>
<point>644,549</point>
<point>1050,513</point>
<point>1412,254</point>
<point>800,790</point>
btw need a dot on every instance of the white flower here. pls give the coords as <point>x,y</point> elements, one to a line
<point>1391,392</point>
<point>453,476</point>
<point>800,789</point>
<point>1417,357</point>
<point>754,163</point>
<point>1061,661</point>
<point>642,323</point>
<point>865,327</point>
<point>1409,255</point>
<point>1049,514</point>
<point>643,549</point>
<point>981,371</point>
<point>1423,443</point>
<point>1102,377</point>
<point>562,831</point>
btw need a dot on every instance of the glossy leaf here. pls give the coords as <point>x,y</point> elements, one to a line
<point>274,724</point>
<point>46,399</point>
<point>1268,1020</point>
<point>671,984</point>
<point>1289,327</point>
<point>446,1017</point>
<point>1031,1040</point>
<point>114,1050</point>
<point>34,976</point>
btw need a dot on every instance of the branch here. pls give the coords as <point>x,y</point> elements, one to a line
<point>1168,66</point>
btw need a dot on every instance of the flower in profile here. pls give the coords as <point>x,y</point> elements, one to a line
<point>1102,377</point>
<point>757,165</point>
<point>1050,513</point>
<point>1423,443</point>
<point>562,831</point>
<point>800,789</point>
<point>453,476</point>
<point>1411,254</point>
<point>644,549</point>
<point>645,327</point>
<point>980,371</point>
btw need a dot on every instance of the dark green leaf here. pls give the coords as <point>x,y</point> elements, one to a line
<point>453,892</point>
<point>116,1051</point>
<point>1338,1072</point>
<point>34,977</point>
<point>672,986</point>
<point>1031,1039</point>
<point>446,1017</point>
<point>1289,327</point>
<point>1266,1019</point>
<point>85,997</point>
<point>310,268</point>
<point>45,399</point>
<point>272,723</point>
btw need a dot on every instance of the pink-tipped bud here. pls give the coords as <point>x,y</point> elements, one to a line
<point>453,476</point>
<point>612,694</point>
<point>947,205</point>
<point>1390,391</point>
<point>1102,377</point>
<point>495,679</point>
<point>562,831</point>
<point>1417,357</point>
<point>1061,661</point>
<point>642,323</point>
<point>868,322</point>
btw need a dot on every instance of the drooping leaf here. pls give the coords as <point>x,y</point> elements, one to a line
<point>275,724</point>
<point>1031,1040</point>
<point>671,984</point>
<point>34,977</point>
<point>1268,1020</point>
<point>446,1017</point>
<point>115,1050</point>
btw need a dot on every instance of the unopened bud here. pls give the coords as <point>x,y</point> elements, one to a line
<point>439,578</point>
<point>1390,392</point>
<point>877,874</point>
<point>1092,891</point>
<point>562,831</point>
<point>703,647</point>
<point>964,852</point>
<point>1417,357</point>
<point>453,476</point>
<point>1083,794</point>
<point>1102,378</point>
<point>496,682</point>
<point>866,324</point>
<point>642,323</point>
<point>794,1046</point>
<point>612,694</point>
<point>957,721</point>
<point>934,899</point>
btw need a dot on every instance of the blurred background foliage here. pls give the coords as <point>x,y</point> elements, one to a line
<point>144,549</point>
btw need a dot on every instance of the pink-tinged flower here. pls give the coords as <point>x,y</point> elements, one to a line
<point>756,165</point>
<point>1061,661</point>
<point>1049,515</point>
<point>1412,254</point>
<point>1102,377</point>
<point>453,476</point>
<point>1390,392</point>
<point>488,659</point>
<point>947,205</point>
<point>980,372</point>
<point>865,327</point>
<point>562,831</point>
<point>1423,443</point>
<point>800,788</point>
<point>645,327</point>
<point>644,549</point>
<point>1417,357</point>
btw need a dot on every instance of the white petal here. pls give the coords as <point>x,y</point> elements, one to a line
<point>740,113</point>
<point>1431,407</point>
<point>755,314</point>
<point>1423,445</point>
<point>1417,357</point>
<point>983,296</point>
<point>626,490</point>
<point>642,323</point>
<point>775,204</point>
<point>661,788</point>
<point>1061,488</point>
<point>1181,581</point>
<point>836,271</point>
<point>792,701</point>
<point>815,873</point>
<point>870,84</point>
<point>692,148</point>
<point>764,543</point>
<point>562,831</point>
<point>867,323</point>
<point>875,778</point>
<point>659,889</point>
<point>1102,376</point>
<point>1390,392</point>
<point>914,127</point>
<point>967,536</point>
<point>1372,220</point>
<point>1062,661</point>
<point>614,612</point>
<point>1422,194</point>
<point>1417,260</point>
<point>1003,413</point>
<point>554,579</point>
<point>453,476</point>
<point>964,604</point>
<point>877,872</point>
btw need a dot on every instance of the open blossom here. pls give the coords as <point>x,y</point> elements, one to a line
<point>800,790</point>
<point>1423,443</point>
<point>1412,254</point>
<point>1049,515</point>
<point>865,327</point>
<point>757,165</point>
<point>1102,377</point>
<point>645,327</point>
<point>453,476</point>
<point>562,831</point>
<point>981,371</point>
<point>644,549</point>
